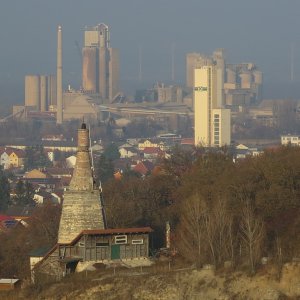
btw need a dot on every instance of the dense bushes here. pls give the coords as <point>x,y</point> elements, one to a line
<point>221,210</point>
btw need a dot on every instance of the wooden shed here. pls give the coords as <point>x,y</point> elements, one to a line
<point>109,244</point>
<point>100,245</point>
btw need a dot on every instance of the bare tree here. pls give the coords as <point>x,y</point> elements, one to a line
<point>205,232</point>
<point>191,235</point>
<point>278,256</point>
<point>218,225</point>
<point>252,234</point>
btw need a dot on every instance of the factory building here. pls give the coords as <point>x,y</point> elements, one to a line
<point>32,91</point>
<point>100,63</point>
<point>241,83</point>
<point>212,120</point>
<point>169,93</point>
<point>77,105</point>
<point>89,69</point>
<point>195,60</point>
<point>40,92</point>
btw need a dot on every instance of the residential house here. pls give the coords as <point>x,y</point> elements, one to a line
<point>153,153</point>
<point>242,151</point>
<point>50,154</point>
<point>63,146</point>
<point>150,143</point>
<point>144,167</point>
<point>60,172</point>
<point>293,140</point>
<point>43,179</point>
<point>17,158</point>
<point>5,163</point>
<point>12,158</point>
<point>42,197</point>
<point>126,152</point>
<point>36,173</point>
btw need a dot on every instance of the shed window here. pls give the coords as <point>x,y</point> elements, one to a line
<point>104,244</point>
<point>81,244</point>
<point>121,239</point>
<point>137,242</point>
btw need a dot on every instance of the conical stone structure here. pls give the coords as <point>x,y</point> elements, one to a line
<point>82,207</point>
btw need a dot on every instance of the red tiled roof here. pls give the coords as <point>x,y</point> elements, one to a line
<point>144,167</point>
<point>7,222</point>
<point>5,218</point>
<point>187,141</point>
<point>153,150</point>
<point>60,171</point>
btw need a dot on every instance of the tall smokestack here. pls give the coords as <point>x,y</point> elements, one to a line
<point>59,114</point>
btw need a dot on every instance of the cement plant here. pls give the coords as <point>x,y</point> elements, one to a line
<point>146,154</point>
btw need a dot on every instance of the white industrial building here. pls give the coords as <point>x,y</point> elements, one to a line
<point>212,120</point>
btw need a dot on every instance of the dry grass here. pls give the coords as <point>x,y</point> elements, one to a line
<point>157,282</point>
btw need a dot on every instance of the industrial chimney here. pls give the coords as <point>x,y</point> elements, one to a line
<point>82,207</point>
<point>59,103</point>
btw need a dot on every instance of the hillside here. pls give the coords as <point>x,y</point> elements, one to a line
<point>159,283</point>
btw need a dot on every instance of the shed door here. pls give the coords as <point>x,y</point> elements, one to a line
<point>115,251</point>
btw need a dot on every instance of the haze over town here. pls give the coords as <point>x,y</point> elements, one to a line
<point>258,31</point>
<point>149,149</point>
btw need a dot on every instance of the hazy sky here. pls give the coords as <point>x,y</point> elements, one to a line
<point>259,31</point>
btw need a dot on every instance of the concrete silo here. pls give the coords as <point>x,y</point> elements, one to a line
<point>32,91</point>
<point>89,69</point>
<point>230,76</point>
<point>258,83</point>
<point>43,93</point>
<point>246,80</point>
<point>51,83</point>
<point>258,77</point>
